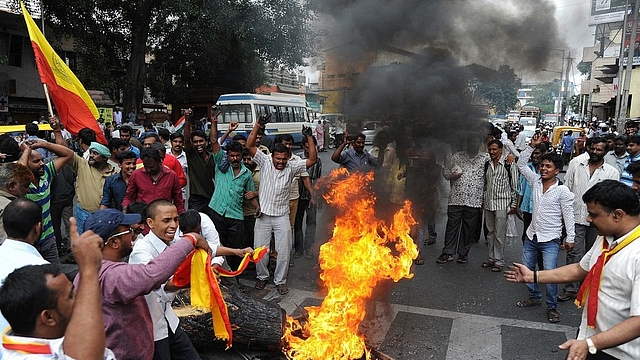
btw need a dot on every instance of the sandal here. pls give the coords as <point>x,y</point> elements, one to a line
<point>488,263</point>
<point>419,261</point>
<point>496,268</point>
<point>282,289</point>
<point>529,303</point>
<point>261,284</point>
<point>553,316</point>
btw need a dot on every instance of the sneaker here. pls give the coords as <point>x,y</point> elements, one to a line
<point>462,259</point>
<point>444,258</point>
<point>567,296</point>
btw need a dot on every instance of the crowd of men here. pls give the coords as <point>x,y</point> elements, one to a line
<point>144,201</point>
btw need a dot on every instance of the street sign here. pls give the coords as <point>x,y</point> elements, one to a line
<point>4,103</point>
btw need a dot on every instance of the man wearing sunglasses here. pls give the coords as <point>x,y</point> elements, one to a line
<point>128,323</point>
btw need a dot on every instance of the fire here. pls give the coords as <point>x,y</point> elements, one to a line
<point>362,251</point>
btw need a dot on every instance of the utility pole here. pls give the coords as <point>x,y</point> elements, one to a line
<point>628,70</point>
<point>620,119</point>
<point>565,90</point>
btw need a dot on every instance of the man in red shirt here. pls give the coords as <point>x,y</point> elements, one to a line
<point>153,181</point>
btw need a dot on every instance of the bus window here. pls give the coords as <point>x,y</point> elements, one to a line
<point>240,113</point>
<point>286,114</point>
<point>267,109</point>
<point>301,114</point>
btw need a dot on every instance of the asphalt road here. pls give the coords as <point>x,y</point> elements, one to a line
<point>446,311</point>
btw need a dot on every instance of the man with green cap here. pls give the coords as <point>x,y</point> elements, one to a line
<point>90,177</point>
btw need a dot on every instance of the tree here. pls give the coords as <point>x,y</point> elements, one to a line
<point>498,88</point>
<point>574,104</point>
<point>584,68</point>
<point>544,96</point>
<point>191,43</point>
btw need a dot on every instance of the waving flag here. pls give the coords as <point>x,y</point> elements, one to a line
<point>179,127</point>
<point>75,107</point>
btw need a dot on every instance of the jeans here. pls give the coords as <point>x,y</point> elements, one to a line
<point>81,216</point>
<point>549,251</point>
<point>281,228</point>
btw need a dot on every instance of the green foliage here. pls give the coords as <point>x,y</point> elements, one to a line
<point>497,88</point>
<point>544,96</point>
<point>584,68</point>
<point>574,104</point>
<point>189,44</point>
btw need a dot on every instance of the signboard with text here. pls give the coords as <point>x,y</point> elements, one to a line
<point>106,114</point>
<point>607,11</point>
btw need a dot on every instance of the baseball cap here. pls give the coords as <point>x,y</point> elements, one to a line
<point>105,222</point>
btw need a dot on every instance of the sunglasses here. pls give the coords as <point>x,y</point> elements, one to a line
<point>130,231</point>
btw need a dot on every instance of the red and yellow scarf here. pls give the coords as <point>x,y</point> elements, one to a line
<point>593,278</point>
<point>25,347</point>
<point>205,292</point>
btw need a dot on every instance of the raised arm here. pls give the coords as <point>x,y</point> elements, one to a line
<point>335,157</point>
<point>187,129</point>
<point>313,151</point>
<point>525,155</point>
<point>64,153</point>
<point>54,122</point>
<point>251,141</point>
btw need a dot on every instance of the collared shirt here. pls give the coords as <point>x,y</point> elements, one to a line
<point>567,143</point>
<point>626,177</point>
<point>550,207</point>
<point>113,191</point>
<point>510,148</point>
<point>468,190</point>
<point>617,162</point>
<point>171,163</point>
<point>89,183</point>
<point>142,188</point>
<point>619,294</point>
<point>209,233</point>
<point>521,141</point>
<point>275,184</point>
<point>201,173</point>
<point>579,179</point>
<point>41,195</point>
<point>47,349</point>
<point>353,161</point>
<point>230,188</point>
<point>16,254</point>
<point>526,191</point>
<point>127,321</point>
<point>500,191</point>
<point>158,300</point>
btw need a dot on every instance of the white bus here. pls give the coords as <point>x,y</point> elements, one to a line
<point>288,113</point>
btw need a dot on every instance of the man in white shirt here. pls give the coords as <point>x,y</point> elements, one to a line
<point>610,326</point>
<point>192,221</point>
<point>552,204</point>
<point>583,172</point>
<point>170,341</point>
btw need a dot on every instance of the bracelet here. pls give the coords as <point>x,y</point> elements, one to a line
<point>191,238</point>
<point>535,276</point>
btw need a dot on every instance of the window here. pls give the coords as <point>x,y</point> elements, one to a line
<point>301,114</point>
<point>240,113</point>
<point>286,114</point>
<point>15,51</point>
<point>267,109</point>
<point>331,76</point>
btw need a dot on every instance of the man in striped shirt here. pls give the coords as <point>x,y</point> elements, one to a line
<point>40,188</point>
<point>276,175</point>
<point>500,199</point>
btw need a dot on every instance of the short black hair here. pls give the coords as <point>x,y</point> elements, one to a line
<point>20,216</point>
<point>239,137</point>
<point>198,133</point>
<point>612,195</point>
<point>147,125</point>
<point>10,147</point>
<point>31,129</point>
<point>189,221</point>
<point>361,136</point>
<point>24,295</point>
<point>635,139</point>
<point>159,148</point>
<point>138,207</point>
<point>620,138</point>
<point>164,134</point>
<point>234,146</point>
<point>634,168</point>
<point>148,152</point>
<point>283,137</point>
<point>595,140</point>
<point>87,136</point>
<point>150,134</point>
<point>155,204</point>
<point>126,155</point>
<point>281,148</point>
<point>497,142</point>
<point>570,132</point>
<point>554,158</point>
<point>126,128</point>
<point>115,143</point>
<point>176,135</point>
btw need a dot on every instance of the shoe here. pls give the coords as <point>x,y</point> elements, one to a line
<point>462,259</point>
<point>261,284</point>
<point>553,316</point>
<point>282,289</point>
<point>430,241</point>
<point>296,255</point>
<point>444,258</point>
<point>488,263</point>
<point>567,296</point>
<point>529,303</point>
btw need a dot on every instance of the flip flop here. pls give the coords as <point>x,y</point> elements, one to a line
<point>488,263</point>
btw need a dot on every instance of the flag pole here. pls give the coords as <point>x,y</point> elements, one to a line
<point>46,94</point>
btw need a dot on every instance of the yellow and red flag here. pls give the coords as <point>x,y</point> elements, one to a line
<point>75,107</point>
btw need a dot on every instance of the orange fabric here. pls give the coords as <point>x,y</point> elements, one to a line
<point>257,256</point>
<point>591,285</point>
<point>25,347</point>
<point>73,103</point>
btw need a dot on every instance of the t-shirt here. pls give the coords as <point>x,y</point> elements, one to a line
<point>41,195</point>
<point>201,173</point>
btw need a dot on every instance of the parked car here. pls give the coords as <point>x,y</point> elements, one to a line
<point>369,130</point>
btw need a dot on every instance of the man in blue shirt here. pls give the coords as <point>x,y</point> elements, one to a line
<point>115,186</point>
<point>567,146</point>
<point>633,150</point>
<point>355,158</point>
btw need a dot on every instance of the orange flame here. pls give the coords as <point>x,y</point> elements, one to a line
<point>362,251</point>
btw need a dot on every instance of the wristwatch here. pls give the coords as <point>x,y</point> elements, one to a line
<point>592,347</point>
